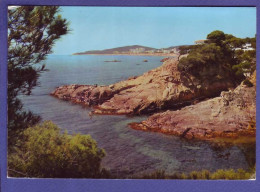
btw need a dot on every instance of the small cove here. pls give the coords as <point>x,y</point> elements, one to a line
<point>128,152</point>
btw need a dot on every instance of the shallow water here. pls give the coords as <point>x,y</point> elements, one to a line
<point>128,152</point>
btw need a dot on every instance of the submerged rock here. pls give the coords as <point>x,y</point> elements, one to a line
<point>113,61</point>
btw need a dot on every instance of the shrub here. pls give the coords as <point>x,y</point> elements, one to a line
<point>222,174</point>
<point>158,174</point>
<point>206,63</point>
<point>43,151</point>
<point>231,174</point>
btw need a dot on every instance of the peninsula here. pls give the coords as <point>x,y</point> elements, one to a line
<point>134,50</point>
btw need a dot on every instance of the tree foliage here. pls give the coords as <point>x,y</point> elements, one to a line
<point>246,62</point>
<point>201,58</point>
<point>32,32</point>
<point>185,49</point>
<point>41,150</point>
<point>44,152</point>
<point>218,59</point>
<point>216,37</point>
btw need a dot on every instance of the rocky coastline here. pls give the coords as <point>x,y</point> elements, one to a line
<point>231,115</point>
<point>165,88</point>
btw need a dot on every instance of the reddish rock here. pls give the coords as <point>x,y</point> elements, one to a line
<point>232,114</point>
<point>165,59</point>
<point>160,88</point>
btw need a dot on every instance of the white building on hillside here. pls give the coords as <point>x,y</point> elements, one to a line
<point>245,47</point>
<point>137,50</point>
<point>166,51</point>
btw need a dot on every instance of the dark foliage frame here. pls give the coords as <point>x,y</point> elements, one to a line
<point>95,185</point>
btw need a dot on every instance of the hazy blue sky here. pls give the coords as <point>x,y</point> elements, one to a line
<point>108,27</point>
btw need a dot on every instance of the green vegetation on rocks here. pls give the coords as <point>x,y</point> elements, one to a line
<point>43,151</point>
<point>220,58</point>
<point>229,174</point>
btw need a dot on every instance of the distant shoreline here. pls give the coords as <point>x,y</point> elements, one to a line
<point>139,54</point>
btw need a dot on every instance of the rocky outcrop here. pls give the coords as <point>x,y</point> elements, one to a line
<point>164,59</point>
<point>157,89</point>
<point>232,114</point>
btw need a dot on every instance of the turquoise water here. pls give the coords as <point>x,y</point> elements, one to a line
<point>128,152</point>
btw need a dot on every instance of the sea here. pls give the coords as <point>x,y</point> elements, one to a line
<point>128,152</point>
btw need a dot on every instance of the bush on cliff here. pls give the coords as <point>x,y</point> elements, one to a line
<point>203,62</point>
<point>218,59</point>
<point>43,151</point>
<point>245,62</point>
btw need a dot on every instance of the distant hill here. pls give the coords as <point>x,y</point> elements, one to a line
<point>172,47</point>
<point>113,50</point>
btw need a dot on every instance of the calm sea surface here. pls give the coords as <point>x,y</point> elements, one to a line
<point>128,151</point>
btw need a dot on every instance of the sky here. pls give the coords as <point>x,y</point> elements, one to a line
<point>98,28</point>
